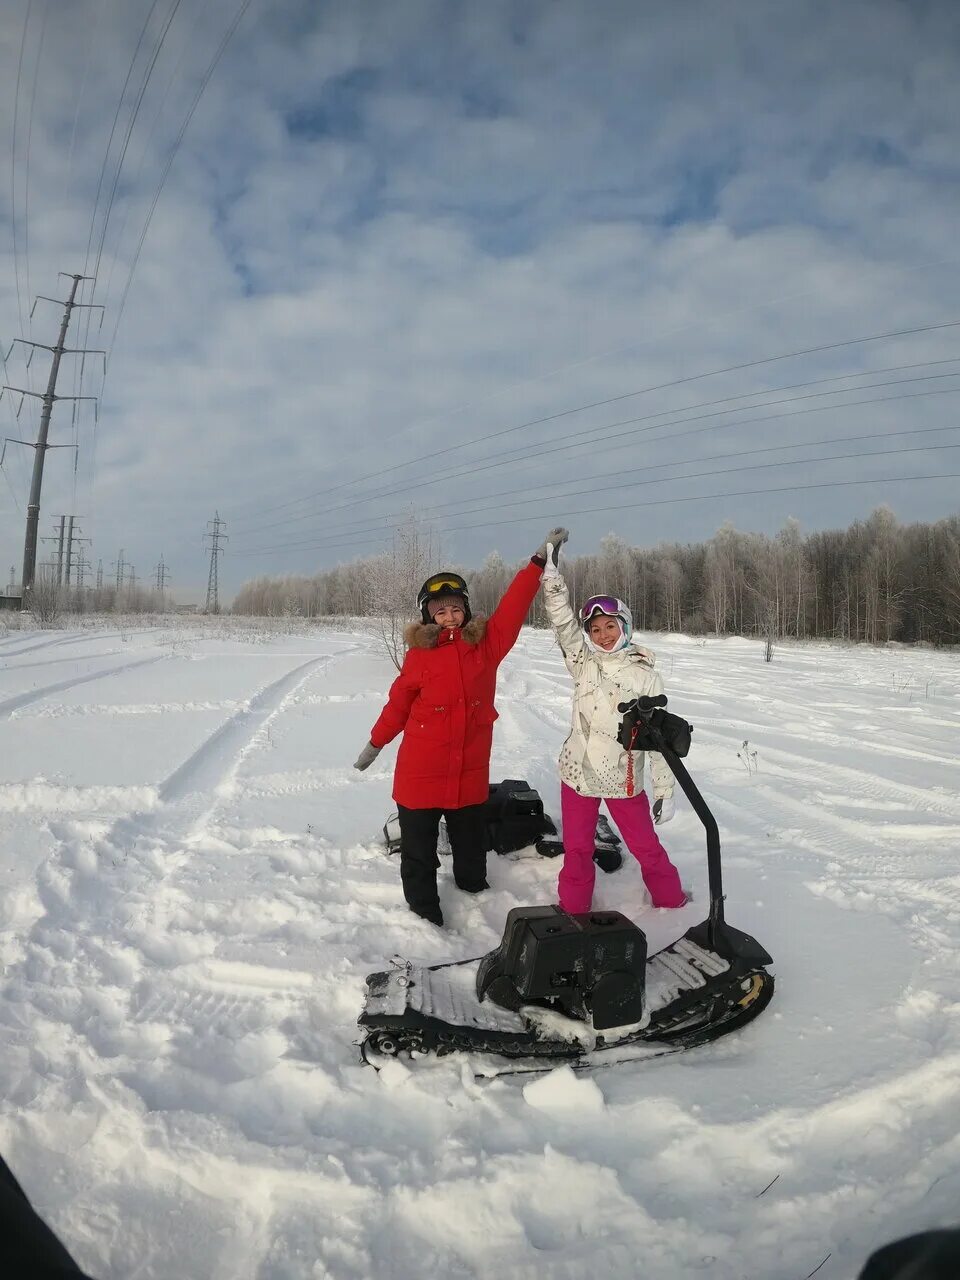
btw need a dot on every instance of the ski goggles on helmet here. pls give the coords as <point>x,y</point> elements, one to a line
<point>443,584</point>
<point>611,606</point>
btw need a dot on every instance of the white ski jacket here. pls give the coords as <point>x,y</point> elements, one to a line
<point>592,761</point>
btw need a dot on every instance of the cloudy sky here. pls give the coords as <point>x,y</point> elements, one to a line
<point>482,261</point>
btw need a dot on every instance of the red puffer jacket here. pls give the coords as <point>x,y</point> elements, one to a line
<point>442,703</point>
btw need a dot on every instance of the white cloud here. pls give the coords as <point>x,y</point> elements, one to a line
<point>393,229</point>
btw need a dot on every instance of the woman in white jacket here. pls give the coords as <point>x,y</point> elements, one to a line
<point>607,669</point>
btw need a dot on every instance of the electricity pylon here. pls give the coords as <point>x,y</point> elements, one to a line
<point>48,400</point>
<point>213,587</point>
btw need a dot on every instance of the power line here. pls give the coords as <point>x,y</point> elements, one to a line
<point>113,129</point>
<point>437,508</point>
<point>13,165</point>
<point>722,471</point>
<point>26,179</point>
<point>92,30</point>
<point>96,202</point>
<point>706,497</point>
<point>205,79</point>
<point>211,67</point>
<point>188,43</point>
<point>129,131</point>
<point>361,540</point>
<point>716,426</point>
<point>593,435</point>
<point>638,484</point>
<point>676,382</point>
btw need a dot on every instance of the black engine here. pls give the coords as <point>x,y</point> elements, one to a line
<point>590,967</point>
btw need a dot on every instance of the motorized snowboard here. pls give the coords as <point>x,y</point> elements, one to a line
<point>573,988</point>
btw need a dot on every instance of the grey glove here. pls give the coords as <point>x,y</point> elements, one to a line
<point>367,756</point>
<point>556,538</point>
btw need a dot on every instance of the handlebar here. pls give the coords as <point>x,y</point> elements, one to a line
<point>645,703</point>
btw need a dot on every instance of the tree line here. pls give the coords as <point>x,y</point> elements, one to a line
<point>876,581</point>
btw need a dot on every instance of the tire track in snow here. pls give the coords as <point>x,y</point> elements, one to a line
<point>219,758</point>
<point>33,648</point>
<point>85,637</point>
<point>120,945</point>
<point>863,784</point>
<point>10,705</point>
<point>838,858</point>
<point>55,662</point>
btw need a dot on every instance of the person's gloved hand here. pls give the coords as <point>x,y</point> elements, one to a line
<point>549,549</point>
<point>663,810</point>
<point>367,756</point>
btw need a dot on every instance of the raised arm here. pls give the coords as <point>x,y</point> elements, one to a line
<point>556,598</point>
<point>503,625</point>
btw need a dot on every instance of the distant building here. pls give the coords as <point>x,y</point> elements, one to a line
<point>11,604</point>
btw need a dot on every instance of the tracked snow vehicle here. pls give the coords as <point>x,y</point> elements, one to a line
<point>572,988</point>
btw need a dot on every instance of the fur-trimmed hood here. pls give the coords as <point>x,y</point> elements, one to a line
<point>425,635</point>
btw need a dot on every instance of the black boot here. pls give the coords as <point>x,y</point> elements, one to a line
<point>429,912</point>
<point>473,888</point>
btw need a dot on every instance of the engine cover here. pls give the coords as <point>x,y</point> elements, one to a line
<point>590,966</point>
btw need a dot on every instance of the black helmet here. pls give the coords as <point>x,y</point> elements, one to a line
<point>443,584</point>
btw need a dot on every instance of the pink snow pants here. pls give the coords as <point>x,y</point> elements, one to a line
<point>632,816</point>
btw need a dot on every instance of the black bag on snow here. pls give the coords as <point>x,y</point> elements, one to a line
<point>514,816</point>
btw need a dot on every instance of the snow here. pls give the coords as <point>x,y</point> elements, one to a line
<point>194,889</point>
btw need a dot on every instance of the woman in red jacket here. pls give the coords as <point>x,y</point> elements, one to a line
<point>442,703</point>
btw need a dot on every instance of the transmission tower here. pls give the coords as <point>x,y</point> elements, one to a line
<point>58,537</point>
<point>99,575</point>
<point>74,540</point>
<point>48,399</point>
<point>120,568</point>
<point>162,572</point>
<point>216,537</point>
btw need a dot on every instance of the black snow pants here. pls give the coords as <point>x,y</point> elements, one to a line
<point>419,829</point>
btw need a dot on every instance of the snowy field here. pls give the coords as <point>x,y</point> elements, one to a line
<point>194,888</point>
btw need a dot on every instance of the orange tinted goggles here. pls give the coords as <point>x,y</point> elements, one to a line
<point>444,584</point>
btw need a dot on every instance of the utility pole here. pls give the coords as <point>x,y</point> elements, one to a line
<point>13,580</point>
<point>73,540</point>
<point>48,399</point>
<point>69,547</point>
<point>213,585</point>
<point>60,553</point>
<point>58,539</point>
